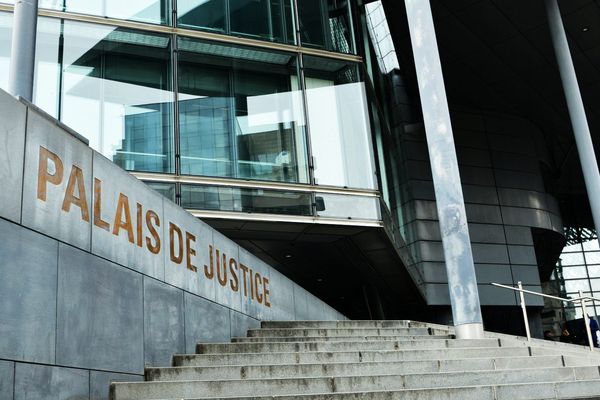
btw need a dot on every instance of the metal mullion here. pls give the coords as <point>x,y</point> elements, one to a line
<point>176,122</point>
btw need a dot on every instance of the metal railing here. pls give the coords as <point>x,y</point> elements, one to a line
<point>581,300</point>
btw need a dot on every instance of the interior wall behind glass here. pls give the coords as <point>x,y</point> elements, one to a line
<point>270,20</point>
<point>240,117</point>
<point>116,91</point>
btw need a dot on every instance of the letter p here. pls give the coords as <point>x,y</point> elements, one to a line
<point>45,176</point>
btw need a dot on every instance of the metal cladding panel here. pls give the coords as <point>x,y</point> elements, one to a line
<point>7,379</point>
<point>490,253</point>
<point>225,251</point>
<point>240,324</point>
<point>12,156</point>
<point>100,314</point>
<point>522,255</point>
<point>164,333</point>
<point>122,209</point>
<point>42,382</point>
<point>186,249</point>
<point>205,322</point>
<point>56,163</point>
<point>28,262</point>
<point>100,382</point>
<point>282,297</point>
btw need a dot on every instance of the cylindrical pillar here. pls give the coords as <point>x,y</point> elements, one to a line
<point>583,139</point>
<point>22,54</point>
<point>462,283</point>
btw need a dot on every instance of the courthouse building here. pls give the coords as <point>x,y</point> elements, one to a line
<point>295,128</point>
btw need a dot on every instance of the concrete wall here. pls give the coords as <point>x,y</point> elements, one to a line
<point>504,195</point>
<point>81,305</point>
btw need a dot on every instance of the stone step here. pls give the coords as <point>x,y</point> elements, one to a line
<point>585,389</point>
<point>335,332</point>
<point>213,348</point>
<point>264,339</point>
<point>273,387</point>
<point>356,368</point>
<point>350,324</point>
<point>346,356</point>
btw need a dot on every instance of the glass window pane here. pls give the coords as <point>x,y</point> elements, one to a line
<point>207,14</point>
<point>117,93</point>
<point>347,206</point>
<point>576,285</point>
<point>245,200</point>
<point>5,43</point>
<point>595,286</point>
<point>572,259</point>
<point>572,248</point>
<point>151,11</point>
<point>591,245</point>
<point>240,117</point>
<point>592,257</point>
<point>574,272</point>
<point>166,189</point>
<point>326,24</point>
<point>594,270</point>
<point>339,124</point>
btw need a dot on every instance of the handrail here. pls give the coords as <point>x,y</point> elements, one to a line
<point>581,300</point>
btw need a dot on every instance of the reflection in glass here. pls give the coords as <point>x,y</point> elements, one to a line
<point>240,117</point>
<point>326,24</point>
<point>165,189</point>
<point>245,200</point>
<point>151,11</point>
<point>259,19</point>
<point>5,43</point>
<point>348,206</point>
<point>339,124</point>
<point>116,91</point>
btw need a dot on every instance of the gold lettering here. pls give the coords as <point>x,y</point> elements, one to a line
<point>245,272</point>
<point>189,251</point>
<point>222,281</point>
<point>76,178</point>
<point>257,283</point>
<point>138,224</point>
<point>44,175</point>
<point>152,216</point>
<point>175,229</point>
<point>210,271</point>
<point>234,282</point>
<point>267,292</point>
<point>123,208</point>
<point>98,221</point>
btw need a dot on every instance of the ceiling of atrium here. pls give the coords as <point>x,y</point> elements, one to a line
<point>497,55</point>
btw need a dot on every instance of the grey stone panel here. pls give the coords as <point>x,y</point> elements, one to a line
<point>12,156</point>
<point>100,314</point>
<point>522,255</point>
<point>473,157</point>
<point>522,198</point>
<point>516,162</point>
<point>476,176</point>
<point>282,296</point>
<point>118,248</point>
<point>164,324</point>
<point>519,180</point>
<point>491,295</point>
<point>7,375</point>
<point>489,253</point>
<point>48,216</point>
<point>513,144</point>
<point>28,262</point>
<point>528,274</point>
<point>251,306</point>
<point>301,303</point>
<point>205,322</point>
<point>225,294</point>
<point>315,307</point>
<point>100,382</point>
<point>178,273</point>
<point>526,217</point>
<point>42,382</point>
<point>486,233</point>
<point>483,214</point>
<point>480,194</point>
<point>240,324</point>
<point>493,273</point>
<point>518,235</point>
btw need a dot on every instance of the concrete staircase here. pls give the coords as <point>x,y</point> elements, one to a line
<point>371,360</point>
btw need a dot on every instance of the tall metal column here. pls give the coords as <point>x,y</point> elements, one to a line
<point>462,283</point>
<point>22,54</point>
<point>583,139</point>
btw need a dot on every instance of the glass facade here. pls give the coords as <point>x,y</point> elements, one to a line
<point>176,105</point>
